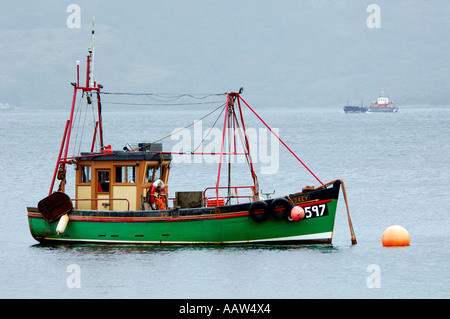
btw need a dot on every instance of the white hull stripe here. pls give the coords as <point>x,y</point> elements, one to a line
<point>318,236</point>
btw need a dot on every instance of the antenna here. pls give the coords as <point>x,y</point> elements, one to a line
<point>92,35</point>
<point>91,51</point>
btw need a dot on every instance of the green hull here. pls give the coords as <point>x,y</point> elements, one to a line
<point>220,225</point>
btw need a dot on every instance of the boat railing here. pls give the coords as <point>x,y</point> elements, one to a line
<point>106,201</point>
<point>215,200</point>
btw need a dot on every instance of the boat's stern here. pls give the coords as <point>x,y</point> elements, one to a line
<point>39,228</point>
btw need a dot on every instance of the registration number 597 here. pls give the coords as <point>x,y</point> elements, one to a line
<point>316,211</point>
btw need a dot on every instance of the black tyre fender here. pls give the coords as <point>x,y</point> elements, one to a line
<point>280,208</point>
<point>259,211</point>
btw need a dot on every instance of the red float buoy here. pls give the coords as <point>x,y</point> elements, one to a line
<point>297,213</point>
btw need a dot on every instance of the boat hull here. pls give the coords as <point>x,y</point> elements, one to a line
<point>195,226</point>
<point>377,109</point>
<point>354,109</point>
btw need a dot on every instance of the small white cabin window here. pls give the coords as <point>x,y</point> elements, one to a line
<point>85,174</point>
<point>131,174</point>
<point>152,174</point>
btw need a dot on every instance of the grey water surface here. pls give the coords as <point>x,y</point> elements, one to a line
<point>395,168</point>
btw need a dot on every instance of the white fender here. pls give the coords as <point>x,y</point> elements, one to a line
<point>62,224</point>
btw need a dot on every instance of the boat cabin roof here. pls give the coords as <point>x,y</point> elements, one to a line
<point>144,152</point>
<point>125,156</point>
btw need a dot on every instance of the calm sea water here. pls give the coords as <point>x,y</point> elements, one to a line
<point>395,168</point>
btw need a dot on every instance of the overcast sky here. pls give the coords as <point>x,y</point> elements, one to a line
<point>285,52</point>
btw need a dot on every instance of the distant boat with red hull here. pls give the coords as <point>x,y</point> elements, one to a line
<point>383,104</point>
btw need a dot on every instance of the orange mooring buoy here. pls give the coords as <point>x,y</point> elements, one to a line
<point>395,236</point>
<point>297,213</point>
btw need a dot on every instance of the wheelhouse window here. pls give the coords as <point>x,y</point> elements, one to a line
<point>153,173</point>
<point>149,174</point>
<point>125,174</point>
<point>131,174</point>
<point>85,174</point>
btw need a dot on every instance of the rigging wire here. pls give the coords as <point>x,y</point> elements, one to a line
<point>199,96</point>
<point>97,134</point>
<point>77,116</point>
<point>183,128</point>
<point>165,98</point>
<point>248,156</point>
<point>78,113</point>
<point>161,104</point>
<point>79,124</point>
<point>207,134</point>
<point>82,129</point>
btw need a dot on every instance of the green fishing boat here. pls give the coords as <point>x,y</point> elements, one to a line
<point>121,196</point>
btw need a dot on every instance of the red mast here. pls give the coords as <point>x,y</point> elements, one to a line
<point>231,121</point>
<point>87,90</point>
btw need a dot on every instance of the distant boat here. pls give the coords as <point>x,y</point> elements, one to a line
<point>354,109</point>
<point>383,104</point>
<point>6,106</point>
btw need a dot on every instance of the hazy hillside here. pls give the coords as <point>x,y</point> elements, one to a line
<point>292,53</point>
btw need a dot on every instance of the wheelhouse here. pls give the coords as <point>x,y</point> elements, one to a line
<point>118,180</point>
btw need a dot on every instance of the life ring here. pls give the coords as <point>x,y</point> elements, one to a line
<point>259,211</point>
<point>280,208</point>
<point>157,201</point>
